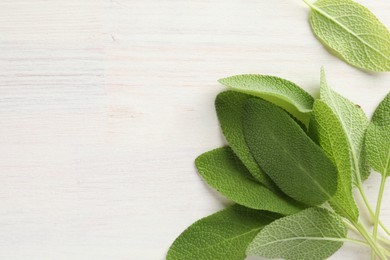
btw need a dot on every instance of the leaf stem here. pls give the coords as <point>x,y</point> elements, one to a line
<point>384,240</point>
<point>370,211</point>
<point>356,241</point>
<point>307,2</point>
<point>363,231</point>
<point>378,206</point>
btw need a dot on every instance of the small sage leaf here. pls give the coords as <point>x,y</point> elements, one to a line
<point>354,123</point>
<point>229,106</point>
<point>314,233</point>
<point>283,150</point>
<point>327,132</point>
<point>282,92</point>
<point>353,32</point>
<point>223,235</point>
<point>377,141</point>
<point>223,171</point>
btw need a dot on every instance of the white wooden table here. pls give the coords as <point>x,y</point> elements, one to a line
<point>105,104</point>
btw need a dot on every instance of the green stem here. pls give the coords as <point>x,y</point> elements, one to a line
<point>363,231</point>
<point>378,207</point>
<point>384,240</point>
<point>356,241</point>
<point>370,211</point>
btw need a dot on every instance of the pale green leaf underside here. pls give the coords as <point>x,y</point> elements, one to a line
<point>378,138</point>
<point>223,235</point>
<point>354,123</point>
<point>378,148</point>
<point>282,92</point>
<point>326,131</point>
<point>283,150</point>
<point>223,171</point>
<point>381,116</point>
<point>353,32</point>
<point>229,106</point>
<point>314,233</point>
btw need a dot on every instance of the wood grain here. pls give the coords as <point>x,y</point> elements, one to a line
<point>105,104</point>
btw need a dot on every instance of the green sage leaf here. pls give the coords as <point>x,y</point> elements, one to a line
<point>282,92</point>
<point>223,235</point>
<point>326,130</point>
<point>353,32</point>
<point>283,150</point>
<point>381,116</point>
<point>314,233</point>
<point>223,171</point>
<point>377,142</point>
<point>354,123</point>
<point>229,107</point>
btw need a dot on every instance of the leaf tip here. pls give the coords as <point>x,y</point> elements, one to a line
<point>222,81</point>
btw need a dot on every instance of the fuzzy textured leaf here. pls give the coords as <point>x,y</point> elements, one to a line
<point>381,116</point>
<point>352,32</point>
<point>229,107</point>
<point>377,142</point>
<point>282,92</point>
<point>223,235</point>
<point>354,123</point>
<point>223,171</point>
<point>283,150</point>
<point>326,130</point>
<point>314,233</point>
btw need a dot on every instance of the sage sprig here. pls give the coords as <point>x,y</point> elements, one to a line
<point>292,182</point>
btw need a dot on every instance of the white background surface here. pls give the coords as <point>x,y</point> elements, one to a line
<point>104,106</point>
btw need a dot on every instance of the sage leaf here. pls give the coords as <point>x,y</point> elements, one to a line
<point>229,106</point>
<point>381,116</point>
<point>282,92</point>
<point>352,32</point>
<point>283,150</point>
<point>354,123</point>
<point>314,233</point>
<point>223,235</point>
<point>377,142</point>
<point>223,171</point>
<point>326,130</point>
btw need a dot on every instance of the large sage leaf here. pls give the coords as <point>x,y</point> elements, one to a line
<point>314,233</point>
<point>327,132</point>
<point>354,123</point>
<point>229,107</point>
<point>223,235</point>
<point>353,32</point>
<point>223,171</point>
<point>377,142</point>
<point>283,150</point>
<point>282,92</point>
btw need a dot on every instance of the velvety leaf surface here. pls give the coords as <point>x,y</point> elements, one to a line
<point>354,123</point>
<point>223,235</point>
<point>314,233</point>
<point>229,107</point>
<point>353,32</point>
<point>282,92</point>
<point>378,138</point>
<point>381,116</point>
<point>326,130</point>
<point>223,171</point>
<point>283,150</point>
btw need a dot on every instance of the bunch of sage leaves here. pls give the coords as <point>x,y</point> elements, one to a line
<point>290,168</point>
